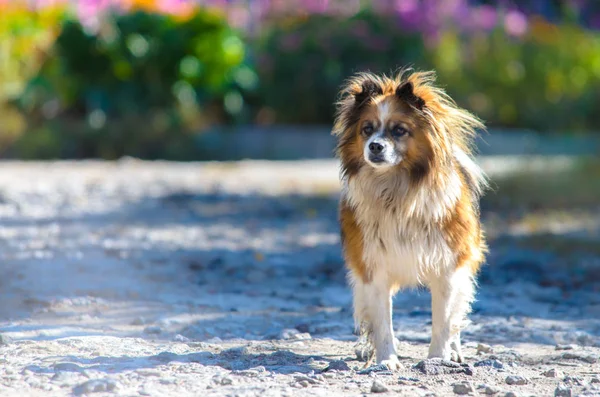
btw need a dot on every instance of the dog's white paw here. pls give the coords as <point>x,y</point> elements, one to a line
<point>456,353</point>
<point>392,363</point>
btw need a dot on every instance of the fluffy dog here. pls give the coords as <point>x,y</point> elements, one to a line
<point>409,209</point>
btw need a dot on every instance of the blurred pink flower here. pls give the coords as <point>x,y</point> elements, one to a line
<point>515,23</point>
<point>175,7</point>
<point>485,17</point>
<point>90,12</point>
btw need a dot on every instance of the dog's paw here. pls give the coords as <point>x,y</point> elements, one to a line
<point>392,363</point>
<point>457,357</point>
<point>456,353</point>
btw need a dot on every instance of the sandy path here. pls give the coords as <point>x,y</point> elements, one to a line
<point>163,279</point>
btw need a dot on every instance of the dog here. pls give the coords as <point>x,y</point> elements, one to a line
<point>409,206</point>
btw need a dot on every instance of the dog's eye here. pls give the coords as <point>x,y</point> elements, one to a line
<point>399,131</point>
<point>367,129</point>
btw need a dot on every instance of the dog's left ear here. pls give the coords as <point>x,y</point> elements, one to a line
<point>405,92</point>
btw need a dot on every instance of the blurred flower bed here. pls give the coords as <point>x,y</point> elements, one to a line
<point>107,78</point>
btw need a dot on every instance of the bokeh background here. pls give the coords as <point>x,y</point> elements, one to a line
<point>100,236</point>
<point>164,78</point>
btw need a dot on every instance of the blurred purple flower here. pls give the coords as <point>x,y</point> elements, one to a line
<point>485,17</point>
<point>411,17</point>
<point>515,23</point>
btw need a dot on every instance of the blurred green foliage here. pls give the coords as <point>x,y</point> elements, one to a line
<point>24,39</point>
<point>140,85</point>
<point>547,79</point>
<point>302,61</point>
<point>145,83</point>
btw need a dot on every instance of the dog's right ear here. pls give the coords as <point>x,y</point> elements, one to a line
<point>369,89</point>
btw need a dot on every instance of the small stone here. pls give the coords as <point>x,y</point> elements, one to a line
<point>303,383</point>
<point>437,366</point>
<point>516,380</point>
<point>511,394</point>
<point>490,363</point>
<point>374,368</point>
<point>463,388</point>
<point>403,380</point>
<point>153,330</point>
<point>552,373</point>
<point>338,365</point>
<point>483,348</point>
<point>489,390</point>
<point>294,334</point>
<point>181,338</point>
<point>573,356</point>
<point>573,380</point>
<point>563,391</point>
<point>304,378</point>
<point>595,379</point>
<point>564,347</point>
<point>4,340</point>
<point>378,387</point>
<point>67,367</point>
<point>96,386</point>
<point>226,381</point>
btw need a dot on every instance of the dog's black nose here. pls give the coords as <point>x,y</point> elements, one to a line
<point>375,147</point>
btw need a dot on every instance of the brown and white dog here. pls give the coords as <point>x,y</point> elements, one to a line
<point>409,209</point>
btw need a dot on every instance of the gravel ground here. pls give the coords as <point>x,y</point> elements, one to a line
<point>164,279</point>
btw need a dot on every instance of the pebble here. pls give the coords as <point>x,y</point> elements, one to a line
<point>407,381</point>
<point>4,340</point>
<point>564,347</point>
<point>437,366</point>
<point>293,334</point>
<point>573,380</point>
<point>378,387</point>
<point>463,388</point>
<point>490,363</point>
<point>483,348</point>
<point>67,367</point>
<point>96,386</point>
<point>511,394</point>
<point>181,338</point>
<point>226,381</point>
<point>338,365</point>
<point>374,368</point>
<point>574,356</point>
<point>563,391</point>
<point>516,380</point>
<point>595,379</point>
<point>489,390</point>
<point>552,373</point>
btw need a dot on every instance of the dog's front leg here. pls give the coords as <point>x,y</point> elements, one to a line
<point>451,296</point>
<point>373,302</point>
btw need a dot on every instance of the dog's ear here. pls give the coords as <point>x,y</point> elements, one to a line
<point>405,92</point>
<point>369,89</point>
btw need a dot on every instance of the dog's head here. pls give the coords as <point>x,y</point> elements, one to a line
<point>402,124</point>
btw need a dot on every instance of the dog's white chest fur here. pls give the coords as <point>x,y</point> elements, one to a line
<point>402,238</point>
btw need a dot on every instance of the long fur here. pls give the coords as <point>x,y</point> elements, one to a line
<point>416,223</point>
